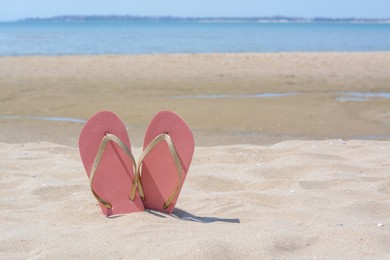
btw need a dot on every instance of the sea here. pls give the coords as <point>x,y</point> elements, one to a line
<point>48,37</point>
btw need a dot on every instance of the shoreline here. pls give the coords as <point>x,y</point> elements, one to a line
<point>138,86</point>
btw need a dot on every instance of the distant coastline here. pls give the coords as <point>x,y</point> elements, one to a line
<point>265,19</point>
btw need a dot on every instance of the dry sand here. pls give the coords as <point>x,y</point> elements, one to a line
<point>276,177</point>
<point>296,199</point>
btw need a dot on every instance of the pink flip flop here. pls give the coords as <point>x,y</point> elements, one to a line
<point>106,154</point>
<point>163,166</point>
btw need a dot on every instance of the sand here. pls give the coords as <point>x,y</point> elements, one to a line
<point>306,175</point>
<point>136,87</point>
<point>295,199</point>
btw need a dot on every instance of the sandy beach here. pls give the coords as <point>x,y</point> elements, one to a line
<point>295,199</point>
<point>292,156</point>
<point>136,87</point>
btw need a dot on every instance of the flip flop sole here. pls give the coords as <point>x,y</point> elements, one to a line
<point>159,176</point>
<point>114,176</point>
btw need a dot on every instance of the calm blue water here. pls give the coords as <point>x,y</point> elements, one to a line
<point>150,37</point>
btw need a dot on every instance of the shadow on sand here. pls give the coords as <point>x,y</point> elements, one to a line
<point>184,215</point>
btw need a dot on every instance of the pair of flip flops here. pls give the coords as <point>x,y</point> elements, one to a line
<point>119,183</point>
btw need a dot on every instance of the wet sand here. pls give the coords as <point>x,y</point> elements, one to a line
<point>137,87</point>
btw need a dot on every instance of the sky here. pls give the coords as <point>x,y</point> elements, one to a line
<point>19,9</point>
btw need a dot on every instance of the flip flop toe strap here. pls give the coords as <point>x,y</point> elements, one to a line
<point>162,137</point>
<point>106,139</point>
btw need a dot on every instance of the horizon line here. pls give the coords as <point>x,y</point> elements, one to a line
<point>131,16</point>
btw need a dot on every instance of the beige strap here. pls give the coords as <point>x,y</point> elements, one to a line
<point>162,137</point>
<point>107,138</point>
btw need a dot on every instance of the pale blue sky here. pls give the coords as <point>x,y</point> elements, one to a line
<point>18,9</point>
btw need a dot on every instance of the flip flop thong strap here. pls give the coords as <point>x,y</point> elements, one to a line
<point>162,137</point>
<point>107,138</point>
